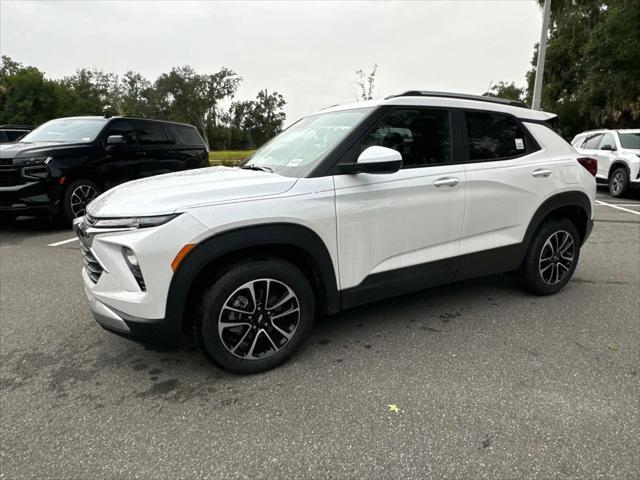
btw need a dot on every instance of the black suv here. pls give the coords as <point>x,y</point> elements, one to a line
<point>61,166</point>
<point>11,133</point>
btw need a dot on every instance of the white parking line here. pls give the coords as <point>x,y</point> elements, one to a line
<point>57,244</point>
<point>599,202</point>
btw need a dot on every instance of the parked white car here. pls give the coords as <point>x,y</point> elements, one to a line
<point>618,155</point>
<point>353,204</point>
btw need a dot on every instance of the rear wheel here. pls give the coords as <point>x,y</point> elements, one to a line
<point>77,196</point>
<point>552,257</point>
<point>619,182</point>
<point>255,315</point>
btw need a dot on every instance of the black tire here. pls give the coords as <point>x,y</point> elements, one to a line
<point>540,276</point>
<point>619,182</point>
<point>229,286</point>
<point>70,209</point>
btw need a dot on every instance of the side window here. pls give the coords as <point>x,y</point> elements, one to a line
<point>183,134</point>
<point>592,142</point>
<point>13,135</point>
<point>422,136</point>
<point>493,136</point>
<point>150,133</point>
<point>607,140</point>
<point>124,128</point>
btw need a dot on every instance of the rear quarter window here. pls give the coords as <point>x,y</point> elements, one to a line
<point>494,136</point>
<point>185,135</point>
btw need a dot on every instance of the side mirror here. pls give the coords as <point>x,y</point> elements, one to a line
<point>115,140</point>
<point>609,148</point>
<point>375,160</point>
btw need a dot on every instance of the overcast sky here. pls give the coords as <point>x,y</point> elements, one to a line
<point>307,51</point>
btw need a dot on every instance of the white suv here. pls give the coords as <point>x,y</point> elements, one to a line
<point>353,204</point>
<point>618,156</point>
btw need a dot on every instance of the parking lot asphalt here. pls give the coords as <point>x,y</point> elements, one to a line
<point>489,382</point>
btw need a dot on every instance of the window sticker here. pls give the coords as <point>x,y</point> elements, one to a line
<point>294,162</point>
<point>519,144</point>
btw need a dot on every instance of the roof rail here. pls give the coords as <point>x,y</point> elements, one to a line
<point>17,127</point>
<point>462,96</point>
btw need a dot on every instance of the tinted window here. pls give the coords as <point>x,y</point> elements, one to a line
<point>630,140</point>
<point>607,140</point>
<point>67,130</point>
<point>493,136</point>
<point>592,142</point>
<point>422,136</point>
<point>123,128</point>
<point>3,137</point>
<point>150,133</point>
<point>13,135</point>
<point>184,134</point>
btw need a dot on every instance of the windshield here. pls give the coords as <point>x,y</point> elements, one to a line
<point>630,140</point>
<point>305,142</point>
<point>67,130</point>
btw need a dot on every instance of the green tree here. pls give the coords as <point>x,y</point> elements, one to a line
<point>26,96</point>
<point>506,90</point>
<point>183,95</point>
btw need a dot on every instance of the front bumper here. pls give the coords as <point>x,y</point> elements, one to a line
<point>158,331</point>
<point>26,191</point>
<point>115,298</point>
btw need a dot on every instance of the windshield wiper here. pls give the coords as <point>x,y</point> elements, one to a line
<point>251,166</point>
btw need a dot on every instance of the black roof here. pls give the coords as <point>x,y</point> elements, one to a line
<point>462,96</point>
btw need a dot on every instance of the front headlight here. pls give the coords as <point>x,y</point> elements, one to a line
<point>31,161</point>
<point>133,222</point>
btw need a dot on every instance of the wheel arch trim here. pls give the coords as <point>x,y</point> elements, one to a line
<point>554,203</point>
<point>273,234</point>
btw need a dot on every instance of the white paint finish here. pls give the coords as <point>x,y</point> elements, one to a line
<point>155,249</point>
<point>629,157</point>
<point>310,203</point>
<point>63,242</point>
<point>163,194</point>
<point>502,196</point>
<point>396,220</point>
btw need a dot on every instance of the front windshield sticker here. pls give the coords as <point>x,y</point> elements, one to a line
<point>519,144</point>
<point>295,162</point>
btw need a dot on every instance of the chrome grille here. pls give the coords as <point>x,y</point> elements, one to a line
<point>91,264</point>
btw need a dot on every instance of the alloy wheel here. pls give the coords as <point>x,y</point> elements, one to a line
<point>258,319</point>
<point>556,257</point>
<point>81,196</point>
<point>617,183</point>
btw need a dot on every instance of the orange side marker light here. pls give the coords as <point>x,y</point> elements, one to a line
<point>181,254</point>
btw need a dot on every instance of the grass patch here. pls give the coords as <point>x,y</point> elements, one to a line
<point>228,158</point>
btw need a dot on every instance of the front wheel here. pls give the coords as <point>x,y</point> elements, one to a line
<point>619,182</point>
<point>551,259</point>
<point>77,196</point>
<point>255,315</point>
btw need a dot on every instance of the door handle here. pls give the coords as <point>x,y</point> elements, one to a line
<point>141,154</point>
<point>541,172</point>
<point>446,182</point>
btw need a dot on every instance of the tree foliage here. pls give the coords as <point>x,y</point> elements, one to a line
<point>182,95</point>
<point>592,67</point>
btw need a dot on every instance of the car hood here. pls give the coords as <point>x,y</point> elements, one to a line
<point>172,192</point>
<point>23,149</point>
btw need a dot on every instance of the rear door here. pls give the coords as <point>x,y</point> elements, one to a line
<point>508,177</point>
<point>157,155</point>
<point>189,148</point>
<point>589,148</point>
<point>390,225</point>
<point>605,153</point>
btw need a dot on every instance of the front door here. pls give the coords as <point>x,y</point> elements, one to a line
<point>390,227</point>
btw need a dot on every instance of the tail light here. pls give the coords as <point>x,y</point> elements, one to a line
<point>591,164</point>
